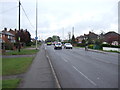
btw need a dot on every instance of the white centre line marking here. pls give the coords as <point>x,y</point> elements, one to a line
<point>84,76</point>
<point>65,60</point>
<point>98,78</point>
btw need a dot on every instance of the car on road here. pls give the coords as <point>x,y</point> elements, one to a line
<point>49,43</point>
<point>68,46</point>
<point>58,45</point>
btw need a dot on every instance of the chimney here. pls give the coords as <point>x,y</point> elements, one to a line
<point>5,29</point>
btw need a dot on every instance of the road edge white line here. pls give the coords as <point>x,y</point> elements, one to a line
<point>84,76</point>
<point>56,79</point>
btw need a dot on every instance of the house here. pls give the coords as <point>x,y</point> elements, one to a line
<point>91,36</point>
<point>1,40</point>
<point>7,37</point>
<point>112,38</point>
<point>79,39</point>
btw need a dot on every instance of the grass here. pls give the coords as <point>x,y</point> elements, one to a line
<point>33,46</point>
<point>111,51</point>
<point>78,47</point>
<point>10,83</point>
<point>11,66</point>
<point>22,52</point>
<point>1,66</point>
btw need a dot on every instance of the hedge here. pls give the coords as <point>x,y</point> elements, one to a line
<point>91,46</point>
<point>81,45</point>
<point>107,45</point>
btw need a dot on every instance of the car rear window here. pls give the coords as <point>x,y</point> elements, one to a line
<point>58,44</point>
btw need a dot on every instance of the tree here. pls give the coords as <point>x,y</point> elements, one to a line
<point>56,38</point>
<point>53,38</point>
<point>73,40</point>
<point>83,41</point>
<point>49,39</point>
<point>23,36</point>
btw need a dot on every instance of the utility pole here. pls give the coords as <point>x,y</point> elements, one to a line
<point>19,27</point>
<point>36,24</point>
<point>19,14</point>
<point>63,33</point>
<point>69,36</point>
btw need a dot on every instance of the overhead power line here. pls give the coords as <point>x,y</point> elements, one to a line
<point>27,17</point>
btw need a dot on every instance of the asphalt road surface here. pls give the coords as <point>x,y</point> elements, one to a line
<point>77,68</point>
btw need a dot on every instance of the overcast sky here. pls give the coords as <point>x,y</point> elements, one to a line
<point>57,17</point>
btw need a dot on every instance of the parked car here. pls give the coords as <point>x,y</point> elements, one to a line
<point>58,45</point>
<point>68,46</point>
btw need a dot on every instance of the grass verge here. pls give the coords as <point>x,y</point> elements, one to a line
<point>111,51</point>
<point>78,47</point>
<point>22,52</point>
<point>10,83</point>
<point>33,46</point>
<point>11,66</point>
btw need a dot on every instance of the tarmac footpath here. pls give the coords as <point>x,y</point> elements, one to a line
<point>39,74</point>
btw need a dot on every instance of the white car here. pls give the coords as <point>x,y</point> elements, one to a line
<point>58,45</point>
<point>68,45</point>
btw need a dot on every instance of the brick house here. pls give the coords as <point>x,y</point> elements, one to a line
<point>112,38</point>
<point>91,36</point>
<point>7,37</point>
<point>79,39</point>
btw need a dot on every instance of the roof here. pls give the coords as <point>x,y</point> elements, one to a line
<point>7,33</point>
<point>111,33</point>
<point>80,36</point>
<point>10,34</point>
<point>1,32</point>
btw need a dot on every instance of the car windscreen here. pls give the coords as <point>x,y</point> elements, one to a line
<point>67,44</point>
<point>58,44</point>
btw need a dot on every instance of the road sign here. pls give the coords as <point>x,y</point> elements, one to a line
<point>36,38</point>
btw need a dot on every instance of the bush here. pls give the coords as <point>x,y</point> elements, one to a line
<point>91,46</point>
<point>81,45</point>
<point>8,46</point>
<point>29,44</point>
<point>107,45</point>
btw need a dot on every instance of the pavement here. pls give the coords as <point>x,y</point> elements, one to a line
<point>39,74</point>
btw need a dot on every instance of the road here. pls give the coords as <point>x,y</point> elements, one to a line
<point>77,68</point>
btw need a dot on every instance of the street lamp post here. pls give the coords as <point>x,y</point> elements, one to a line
<point>36,25</point>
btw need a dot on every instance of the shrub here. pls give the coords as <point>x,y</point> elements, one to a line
<point>81,45</point>
<point>29,44</point>
<point>91,46</point>
<point>8,46</point>
<point>107,45</point>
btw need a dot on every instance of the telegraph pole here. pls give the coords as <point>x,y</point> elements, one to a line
<point>36,25</point>
<point>19,27</point>
<point>19,14</point>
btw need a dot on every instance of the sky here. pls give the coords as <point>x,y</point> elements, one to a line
<point>58,17</point>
